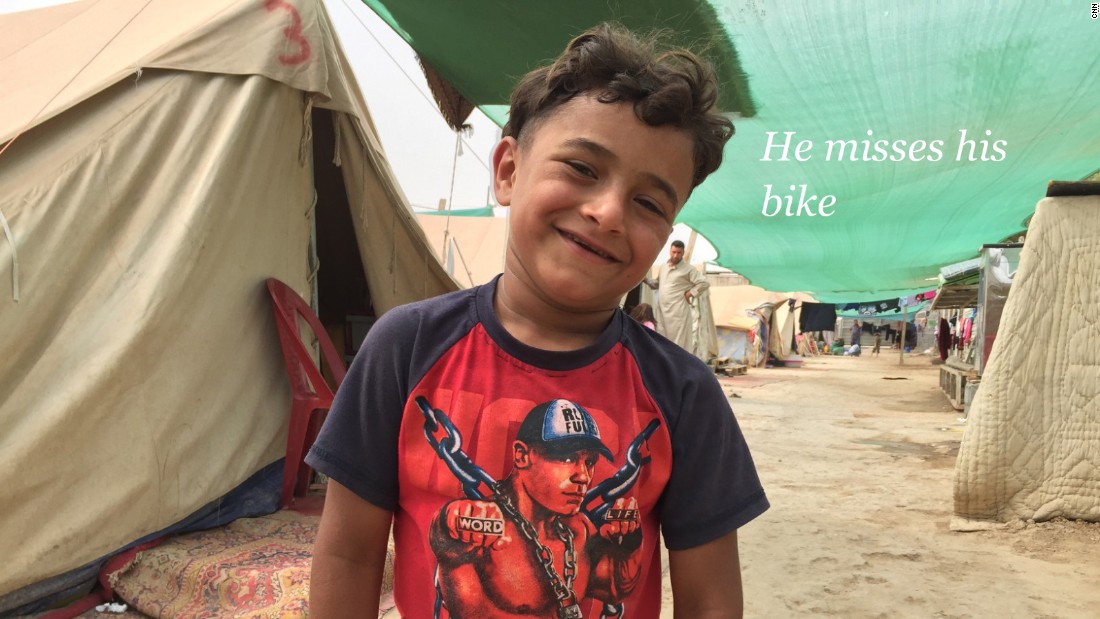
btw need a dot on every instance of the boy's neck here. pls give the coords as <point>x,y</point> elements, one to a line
<point>529,318</point>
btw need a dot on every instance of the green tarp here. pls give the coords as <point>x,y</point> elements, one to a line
<point>1021,78</point>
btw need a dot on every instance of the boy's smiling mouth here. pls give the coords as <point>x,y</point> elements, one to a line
<point>587,246</point>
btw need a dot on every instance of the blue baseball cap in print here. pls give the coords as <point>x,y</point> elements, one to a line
<point>561,426</point>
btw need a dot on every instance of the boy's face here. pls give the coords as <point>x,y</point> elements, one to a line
<point>593,193</point>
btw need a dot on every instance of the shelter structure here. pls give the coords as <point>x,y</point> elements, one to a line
<point>765,318</point>
<point>956,301</point>
<point>160,160</point>
<point>958,285</point>
<point>735,338</point>
<point>970,301</point>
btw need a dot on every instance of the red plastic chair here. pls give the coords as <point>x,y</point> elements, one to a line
<point>311,394</point>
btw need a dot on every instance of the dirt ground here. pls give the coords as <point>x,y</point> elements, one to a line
<point>859,471</point>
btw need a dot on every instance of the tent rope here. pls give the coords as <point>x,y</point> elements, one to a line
<point>307,131</point>
<point>313,261</point>
<point>14,259</point>
<point>451,196</point>
<point>464,265</point>
<point>337,160</point>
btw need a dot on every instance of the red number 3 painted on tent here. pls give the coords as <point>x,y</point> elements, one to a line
<point>293,33</point>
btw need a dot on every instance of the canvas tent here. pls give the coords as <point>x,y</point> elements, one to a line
<point>471,247</point>
<point>767,314</point>
<point>785,317</point>
<point>161,159</point>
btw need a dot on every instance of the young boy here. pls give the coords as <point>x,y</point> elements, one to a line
<point>529,442</point>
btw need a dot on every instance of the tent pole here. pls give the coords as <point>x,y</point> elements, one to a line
<point>690,246</point>
<point>901,344</point>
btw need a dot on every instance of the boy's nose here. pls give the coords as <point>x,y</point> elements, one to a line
<point>607,210</point>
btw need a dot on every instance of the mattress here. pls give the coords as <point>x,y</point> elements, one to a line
<point>1031,449</point>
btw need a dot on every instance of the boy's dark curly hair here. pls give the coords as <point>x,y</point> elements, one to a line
<point>673,87</point>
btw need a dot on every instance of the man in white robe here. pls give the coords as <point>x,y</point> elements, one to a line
<point>678,284</point>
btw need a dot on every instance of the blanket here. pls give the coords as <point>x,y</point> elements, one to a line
<point>1031,449</point>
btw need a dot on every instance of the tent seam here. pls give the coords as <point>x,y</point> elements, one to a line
<point>14,258</point>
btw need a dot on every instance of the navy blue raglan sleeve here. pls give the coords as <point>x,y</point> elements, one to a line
<point>357,445</point>
<point>714,488</point>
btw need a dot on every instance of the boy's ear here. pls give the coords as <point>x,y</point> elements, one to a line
<point>504,170</point>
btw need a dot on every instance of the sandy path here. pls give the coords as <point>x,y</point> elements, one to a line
<point>859,473</point>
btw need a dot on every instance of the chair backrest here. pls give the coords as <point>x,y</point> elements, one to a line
<point>305,377</point>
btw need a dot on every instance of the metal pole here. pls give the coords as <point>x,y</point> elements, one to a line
<point>901,347</point>
<point>690,247</point>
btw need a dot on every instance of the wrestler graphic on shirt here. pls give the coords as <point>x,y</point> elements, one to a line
<point>489,550</point>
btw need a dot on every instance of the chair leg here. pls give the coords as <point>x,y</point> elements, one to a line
<point>305,472</point>
<point>295,441</point>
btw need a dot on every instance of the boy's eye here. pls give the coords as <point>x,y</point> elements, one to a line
<point>650,205</point>
<point>581,168</point>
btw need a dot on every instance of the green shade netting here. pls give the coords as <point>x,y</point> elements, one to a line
<point>485,211</point>
<point>1027,72</point>
<point>483,48</point>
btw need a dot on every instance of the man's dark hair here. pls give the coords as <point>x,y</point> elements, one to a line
<point>666,87</point>
<point>678,243</point>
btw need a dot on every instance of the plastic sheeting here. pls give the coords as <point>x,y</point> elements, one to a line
<point>999,266</point>
<point>733,344</point>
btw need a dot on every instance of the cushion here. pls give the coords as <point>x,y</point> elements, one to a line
<point>258,567</point>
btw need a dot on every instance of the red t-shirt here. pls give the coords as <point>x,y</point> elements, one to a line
<point>432,413</point>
